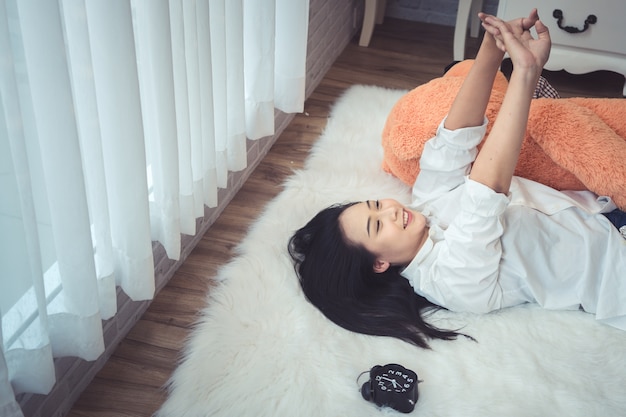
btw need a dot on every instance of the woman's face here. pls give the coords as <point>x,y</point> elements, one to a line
<point>386,228</point>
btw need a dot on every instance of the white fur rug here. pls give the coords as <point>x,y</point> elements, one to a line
<point>261,349</point>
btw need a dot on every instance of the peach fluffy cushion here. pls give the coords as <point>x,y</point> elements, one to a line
<point>570,143</point>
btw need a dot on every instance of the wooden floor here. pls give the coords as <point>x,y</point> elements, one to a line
<point>401,55</point>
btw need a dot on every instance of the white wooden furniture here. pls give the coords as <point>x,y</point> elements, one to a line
<point>375,13</point>
<point>468,10</point>
<point>592,35</point>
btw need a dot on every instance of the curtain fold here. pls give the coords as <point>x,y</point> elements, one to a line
<point>122,139</point>
<point>290,55</point>
<point>78,50</point>
<point>259,66</point>
<point>119,123</point>
<point>156,82</point>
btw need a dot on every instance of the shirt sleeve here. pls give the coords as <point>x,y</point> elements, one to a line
<point>464,276</point>
<point>446,160</point>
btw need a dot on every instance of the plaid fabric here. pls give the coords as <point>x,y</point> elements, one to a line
<point>544,89</point>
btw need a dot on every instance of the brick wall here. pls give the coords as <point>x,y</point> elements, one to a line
<point>442,12</point>
<point>332,24</point>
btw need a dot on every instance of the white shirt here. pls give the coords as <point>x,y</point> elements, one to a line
<point>487,251</point>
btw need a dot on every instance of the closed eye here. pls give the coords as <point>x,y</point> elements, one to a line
<point>377,206</point>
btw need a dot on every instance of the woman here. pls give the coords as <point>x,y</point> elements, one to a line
<point>476,242</point>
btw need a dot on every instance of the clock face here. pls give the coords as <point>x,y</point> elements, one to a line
<point>393,379</point>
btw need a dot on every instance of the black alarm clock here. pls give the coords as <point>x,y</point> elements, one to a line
<point>392,386</point>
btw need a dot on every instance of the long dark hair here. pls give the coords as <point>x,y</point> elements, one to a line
<point>338,278</point>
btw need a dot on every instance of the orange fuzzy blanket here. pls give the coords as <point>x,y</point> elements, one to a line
<point>570,143</point>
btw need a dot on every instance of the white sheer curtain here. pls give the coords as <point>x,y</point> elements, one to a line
<point>119,121</point>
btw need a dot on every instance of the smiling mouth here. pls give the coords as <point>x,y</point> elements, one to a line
<point>406,217</point>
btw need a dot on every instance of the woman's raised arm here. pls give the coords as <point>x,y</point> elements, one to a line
<point>468,108</point>
<point>495,164</point>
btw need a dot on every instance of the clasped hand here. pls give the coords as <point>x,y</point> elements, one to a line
<point>514,38</point>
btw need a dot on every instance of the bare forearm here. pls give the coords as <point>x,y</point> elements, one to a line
<point>495,164</point>
<point>497,159</point>
<point>468,108</point>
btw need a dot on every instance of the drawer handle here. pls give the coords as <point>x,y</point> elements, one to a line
<point>558,15</point>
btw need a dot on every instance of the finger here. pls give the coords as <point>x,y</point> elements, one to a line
<point>507,40</point>
<point>493,21</point>
<point>493,31</point>
<point>499,24</point>
<point>530,21</point>
<point>484,18</point>
<point>542,30</point>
